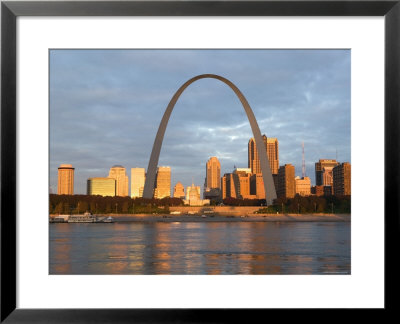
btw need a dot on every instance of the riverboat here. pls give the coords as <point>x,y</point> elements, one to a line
<point>89,218</point>
<point>59,219</point>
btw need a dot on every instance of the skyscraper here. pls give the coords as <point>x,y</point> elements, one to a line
<point>213,173</point>
<point>273,154</point>
<point>253,160</point>
<point>286,183</point>
<point>342,179</point>
<point>101,186</point>
<point>138,177</point>
<point>272,147</point>
<point>320,167</point>
<point>65,180</point>
<point>117,172</point>
<point>163,183</point>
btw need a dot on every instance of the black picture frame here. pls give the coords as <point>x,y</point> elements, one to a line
<point>10,10</point>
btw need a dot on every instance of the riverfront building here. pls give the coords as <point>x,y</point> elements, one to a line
<point>256,180</point>
<point>117,172</point>
<point>303,186</point>
<point>237,184</point>
<point>179,191</point>
<point>257,186</point>
<point>101,186</point>
<point>342,179</point>
<point>253,159</point>
<point>273,154</point>
<point>327,176</point>
<point>228,186</point>
<point>241,179</point>
<point>163,183</point>
<point>138,178</point>
<point>323,172</point>
<point>65,180</point>
<point>286,183</point>
<point>272,148</point>
<point>212,183</point>
<point>213,173</point>
<point>321,190</point>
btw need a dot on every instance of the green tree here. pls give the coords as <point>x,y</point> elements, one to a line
<point>59,209</point>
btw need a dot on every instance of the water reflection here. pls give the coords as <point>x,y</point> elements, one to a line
<point>200,248</point>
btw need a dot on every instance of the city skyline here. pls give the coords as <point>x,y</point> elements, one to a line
<point>112,119</point>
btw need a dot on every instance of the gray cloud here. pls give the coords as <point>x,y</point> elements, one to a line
<point>105,107</point>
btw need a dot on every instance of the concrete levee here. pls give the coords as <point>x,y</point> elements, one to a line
<point>217,210</point>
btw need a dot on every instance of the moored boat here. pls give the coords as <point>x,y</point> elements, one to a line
<point>89,218</point>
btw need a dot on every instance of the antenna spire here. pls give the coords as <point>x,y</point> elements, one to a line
<point>303,161</point>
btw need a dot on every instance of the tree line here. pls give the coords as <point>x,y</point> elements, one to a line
<point>310,204</point>
<point>79,204</point>
<point>95,204</point>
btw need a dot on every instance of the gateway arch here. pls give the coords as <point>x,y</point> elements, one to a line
<point>262,153</point>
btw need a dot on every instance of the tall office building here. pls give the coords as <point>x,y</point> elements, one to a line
<point>213,173</point>
<point>117,172</point>
<point>253,160</point>
<point>163,183</point>
<point>286,183</point>
<point>320,167</point>
<point>257,186</point>
<point>138,178</point>
<point>342,179</point>
<point>65,180</point>
<point>273,154</point>
<point>179,191</point>
<point>101,186</point>
<point>272,148</point>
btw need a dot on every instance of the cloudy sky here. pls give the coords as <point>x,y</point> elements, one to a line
<point>106,106</point>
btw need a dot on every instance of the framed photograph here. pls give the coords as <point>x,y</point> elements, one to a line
<point>110,112</point>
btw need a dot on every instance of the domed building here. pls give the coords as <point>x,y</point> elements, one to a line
<point>193,196</point>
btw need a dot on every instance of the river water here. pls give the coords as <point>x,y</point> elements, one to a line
<point>200,248</point>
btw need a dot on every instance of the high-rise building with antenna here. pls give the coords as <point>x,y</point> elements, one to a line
<point>303,167</point>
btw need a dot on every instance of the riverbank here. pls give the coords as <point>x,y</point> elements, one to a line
<point>231,218</point>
